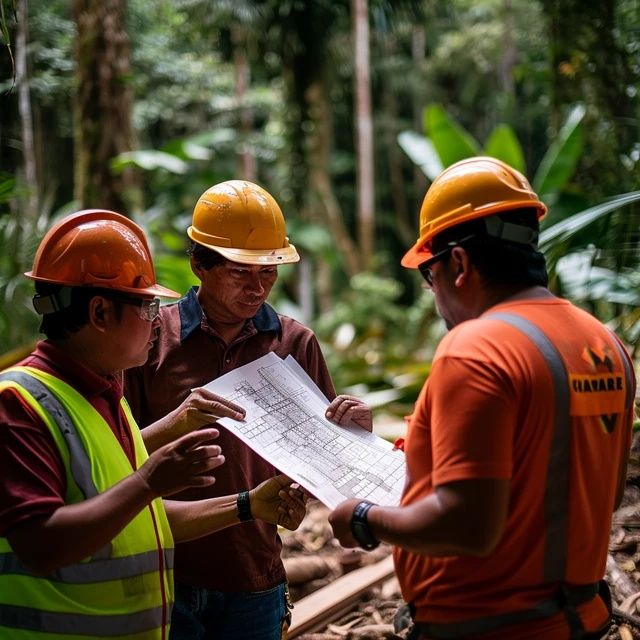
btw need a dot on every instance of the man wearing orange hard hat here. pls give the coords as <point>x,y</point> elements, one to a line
<point>231,585</point>
<point>86,541</point>
<point>517,447</point>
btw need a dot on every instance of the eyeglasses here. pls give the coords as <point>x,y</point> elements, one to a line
<point>425,267</point>
<point>148,308</point>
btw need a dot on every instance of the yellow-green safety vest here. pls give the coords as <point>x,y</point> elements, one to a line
<point>124,590</point>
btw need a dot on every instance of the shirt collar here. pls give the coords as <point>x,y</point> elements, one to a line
<point>53,358</point>
<point>266,319</point>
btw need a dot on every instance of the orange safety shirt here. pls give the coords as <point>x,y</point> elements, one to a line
<point>486,411</point>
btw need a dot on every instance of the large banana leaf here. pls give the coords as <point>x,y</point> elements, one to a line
<point>560,161</point>
<point>566,229</point>
<point>503,144</point>
<point>450,140</point>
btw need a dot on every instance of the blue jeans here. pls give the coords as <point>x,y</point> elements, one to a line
<point>201,614</point>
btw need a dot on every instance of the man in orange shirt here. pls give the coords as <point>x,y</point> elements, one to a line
<point>517,448</point>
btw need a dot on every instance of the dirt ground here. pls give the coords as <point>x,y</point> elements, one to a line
<point>314,559</point>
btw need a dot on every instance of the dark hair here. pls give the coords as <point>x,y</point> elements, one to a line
<point>205,257</point>
<point>69,320</point>
<point>497,260</point>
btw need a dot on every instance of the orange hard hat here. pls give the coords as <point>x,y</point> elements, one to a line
<point>97,248</point>
<point>472,188</point>
<point>242,222</point>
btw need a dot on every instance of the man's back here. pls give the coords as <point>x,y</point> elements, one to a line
<point>489,410</point>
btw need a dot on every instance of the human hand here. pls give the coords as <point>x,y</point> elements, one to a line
<point>182,463</point>
<point>280,501</point>
<point>201,408</point>
<point>350,411</point>
<point>340,521</point>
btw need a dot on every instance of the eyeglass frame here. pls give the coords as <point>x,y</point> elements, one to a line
<point>425,267</point>
<point>148,308</point>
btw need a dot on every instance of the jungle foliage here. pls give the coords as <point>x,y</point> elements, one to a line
<point>265,90</point>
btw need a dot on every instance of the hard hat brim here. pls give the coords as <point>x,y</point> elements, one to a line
<point>285,255</point>
<point>416,256</point>
<point>153,290</point>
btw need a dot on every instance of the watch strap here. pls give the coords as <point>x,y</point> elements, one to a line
<point>244,507</point>
<point>360,526</point>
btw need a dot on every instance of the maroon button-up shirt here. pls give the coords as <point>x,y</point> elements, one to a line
<point>188,354</point>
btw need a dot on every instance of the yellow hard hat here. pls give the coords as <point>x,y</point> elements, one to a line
<point>242,222</point>
<point>97,248</point>
<point>472,188</point>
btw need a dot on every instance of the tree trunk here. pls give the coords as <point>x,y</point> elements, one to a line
<point>26,117</point>
<point>103,106</point>
<point>318,155</point>
<point>242,72</point>
<point>402,220</point>
<point>418,56</point>
<point>364,133</point>
<point>507,62</point>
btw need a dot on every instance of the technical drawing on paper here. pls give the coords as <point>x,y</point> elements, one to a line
<point>285,424</point>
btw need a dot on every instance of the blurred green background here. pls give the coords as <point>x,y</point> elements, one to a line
<point>344,111</point>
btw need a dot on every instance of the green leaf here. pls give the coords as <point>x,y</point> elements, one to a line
<point>560,161</point>
<point>150,160</point>
<point>450,140</point>
<point>565,230</point>
<point>504,145</point>
<point>421,152</point>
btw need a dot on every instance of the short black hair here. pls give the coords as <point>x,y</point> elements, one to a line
<point>497,260</point>
<point>205,257</point>
<point>63,323</point>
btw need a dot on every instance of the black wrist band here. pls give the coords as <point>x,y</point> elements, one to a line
<point>360,526</point>
<point>244,507</point>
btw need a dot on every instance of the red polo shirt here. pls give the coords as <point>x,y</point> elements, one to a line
<point>32,482</point>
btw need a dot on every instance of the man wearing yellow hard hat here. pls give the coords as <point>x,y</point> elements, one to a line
<point>231,586</point>
<point>517,447</point>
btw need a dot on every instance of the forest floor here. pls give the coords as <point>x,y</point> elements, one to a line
<point>314,559</point>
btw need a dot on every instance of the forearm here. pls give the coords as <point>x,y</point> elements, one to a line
<point>191,520</point>
<point>161,432</point>
<point>420,529</point>
<point>465,518</point>
<point>74,532</point>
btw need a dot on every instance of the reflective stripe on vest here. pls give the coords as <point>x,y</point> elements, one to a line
<point>555,504</point>
<point>136,574</point>
<point>78,624</point>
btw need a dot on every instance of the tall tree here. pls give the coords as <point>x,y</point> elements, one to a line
<point>364,132</point>
<point>102,105</point>
<point>26,118</point>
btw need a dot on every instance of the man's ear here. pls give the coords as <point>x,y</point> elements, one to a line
<point>461,265</point>
<point>197,268</point>
<point>99,310</point>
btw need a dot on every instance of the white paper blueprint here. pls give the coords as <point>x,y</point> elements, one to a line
<point>285,424</point>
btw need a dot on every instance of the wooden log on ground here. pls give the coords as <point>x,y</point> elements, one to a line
<point>321,607</point>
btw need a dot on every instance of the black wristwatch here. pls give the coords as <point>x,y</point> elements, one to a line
<point>360,526</point>
<point>244,507</point>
